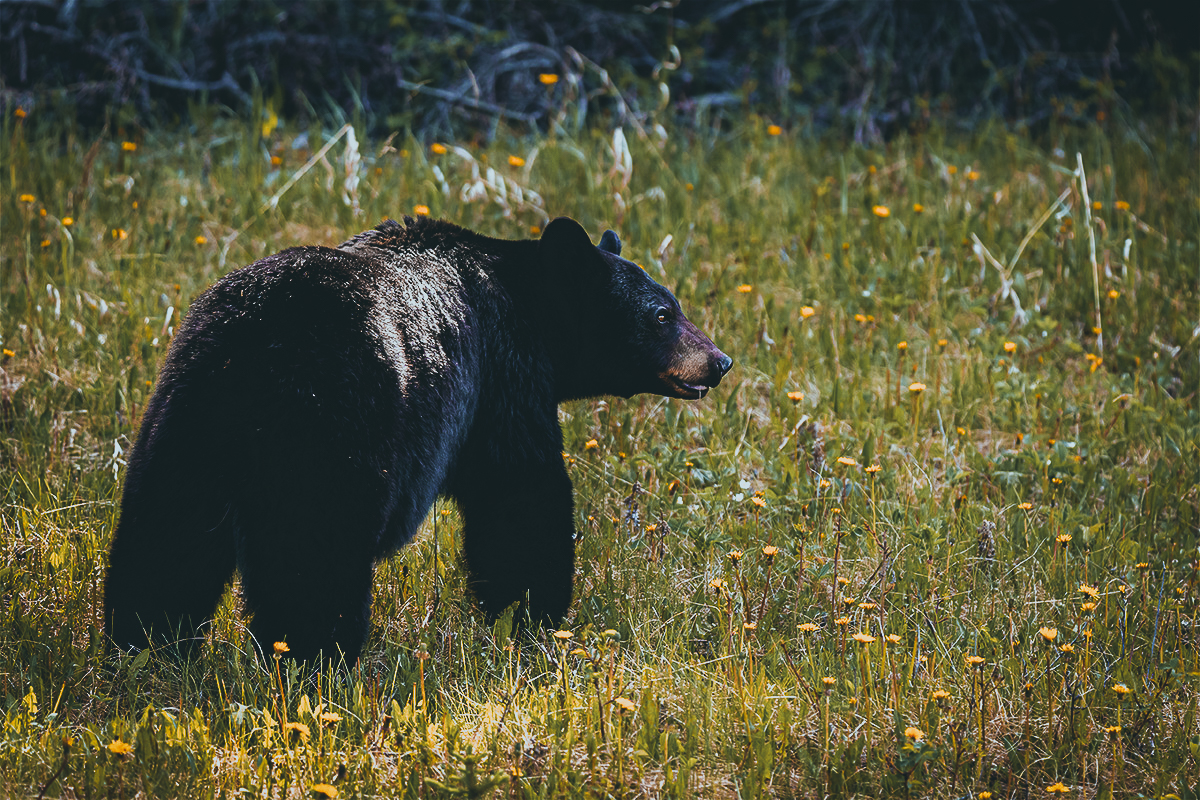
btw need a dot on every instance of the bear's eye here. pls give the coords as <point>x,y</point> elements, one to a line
<point>662,315</point>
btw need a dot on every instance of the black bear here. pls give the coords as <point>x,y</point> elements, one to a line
<point>315,403</point>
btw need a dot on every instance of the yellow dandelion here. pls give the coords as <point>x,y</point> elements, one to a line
<point>745,288</point>
<point>795,397</point>
<point>735,556</point>
<point>42,211</point>
<point>809,627</point>
<point>863,638</point>
<point>298,728</point>
<point>750,626</point>
<point>847,461</point>
<point>1057,788</point>
<point>1122,689</point>
<point>1122,205</point>
<point>625,704</point>
<point>1062,538</point>
<point>119,234</point>
<point>893,638</point>
<point>914,733</point>
<point>807,311</point>
<point>516,161</point>
<point>19,113</point>
<point>845,245</point>
<point>1142,565</point>
<point>562,635</point>
<point>129,147</point>
<point>421,211</point>
<point>438,148</point>
<point>1090,591</point>
<point>716,583</point>
<point>860,317</point>
<point>201,240</point>
<point>835,510</point>
<point>1010,347</point>
<point>1049,634</point>
<point>1114,729</point>
<point>974,661</point>
<point>901,346</point>
<point>953,170</point>
<point>1088,607</point>
<point>534,230</point>
<point>883,212</point>
<point>867,606</point>
<point>548,78</point>
<point>940,694</point>
<point>331,717</point>
<point>973,175</point>
<point>117,747</point>
<point>984,796</point>
<point>828,681</point>
<point>871,470</point>
<point>26,198</point>
<point>45,242</point>
<point>825,484</point>
<point>9,353</point>
<point>1097,205</point>
<point>758,501</point>
<point>1067,648</point>
<point>276,161</point>
<point>770,551</point>
<point>774,130</point>
<point>324,790</point>
<point>916,387</point>
<point>843,580</point>
<point>281,648</point>
<point>67,222</point>
<point>591,444</point>
<point>942,343</point>
<point>1113,294</point>
<point>961,431</point>
<point>842,621</point>
<point>918,208</point>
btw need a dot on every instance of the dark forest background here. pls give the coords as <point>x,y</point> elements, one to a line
<point>439,67</point>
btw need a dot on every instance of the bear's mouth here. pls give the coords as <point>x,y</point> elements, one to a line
<point>682,389</point>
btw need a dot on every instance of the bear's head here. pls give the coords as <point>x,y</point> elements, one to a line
<point>613,329</point>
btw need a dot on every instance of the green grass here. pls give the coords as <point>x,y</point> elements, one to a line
<point>1033,462</point>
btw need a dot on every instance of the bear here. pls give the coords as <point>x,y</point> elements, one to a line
<point>314,404</point>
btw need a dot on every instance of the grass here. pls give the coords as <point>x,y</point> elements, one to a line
<point>1007,603</point>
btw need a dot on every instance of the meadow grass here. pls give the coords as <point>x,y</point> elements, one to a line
<point>934,536</point>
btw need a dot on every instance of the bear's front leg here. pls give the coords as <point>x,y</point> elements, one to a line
<point>519,537</point>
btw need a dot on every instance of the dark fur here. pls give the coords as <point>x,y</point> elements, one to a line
<point>315,403</point>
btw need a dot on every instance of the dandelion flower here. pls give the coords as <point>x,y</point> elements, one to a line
<point>26,198</point>
<point>795,397</point>
<point>438,147</point>
<point>774,130</point>
<point>562,635</point>
<point>280,648</point>
<point>770,551</point>
<point>1142,565</point>
<point>867,606</point>
<point>916,387</point>
<point>914,733</point>
<point>591,444</point>
<point>1010,347</point>
<point>750,626</point>
<point>1067,648</point>
<point>1049,634</point>
<point>1088,607</point>
<point>117,747</point>
<point>625,704</point>
<point>1057,788</point>
<point>1122,689</point>
<point>1113,294</point>
<point>716,583</point>
<point>9,353</point>
<point>901,346</point>
<point>516,161</point>
<point>325,790</point>
<point>893,638</point>
<point>940,694</point>
<point>758,501</point>
<point>972,175</point>
<point>201,240</point>
<point>689,187</point>
<point>918,208</point>
<point>984,796</point>
<point>883,212</point>
<point>45,242</point>
<point>953,170</point>
<point>864,638</point>
<point>871,470</point>
<point>842,621</point>
<point>331,717</point>
<point>421,211</point>
<point>298,728</point>
<point>1097,205</point>
<point>277,161</point>
<point>847,461</point>
<point>19,113</point>
<point>548,78</point>
<point>68,222</point>
<point>828,681</point>
<point>1090,591</point>
<point>119,234</point>
<point>1122,205</point>
<point>807,311</point>
<point>809,627</point>
<point>1114,729</point>
<point>974,660</point>
<point>1062,538</point>
<point>1025,506</point>
<point>745,288</point>
<point>129,147</point>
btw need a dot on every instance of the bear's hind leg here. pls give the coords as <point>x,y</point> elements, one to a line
<point>172,553</point>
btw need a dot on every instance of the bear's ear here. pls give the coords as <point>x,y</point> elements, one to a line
<point>564,243</point>
<point>610,243</point>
